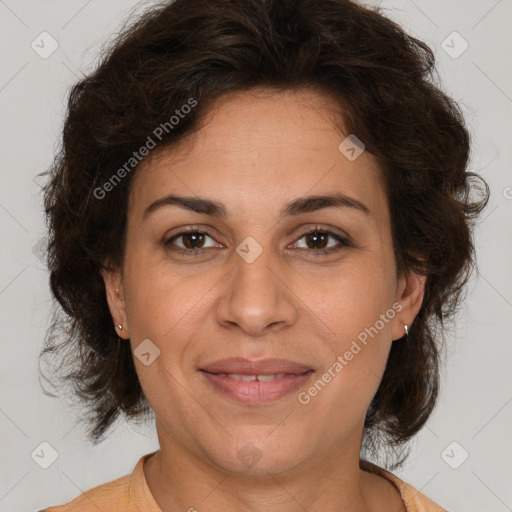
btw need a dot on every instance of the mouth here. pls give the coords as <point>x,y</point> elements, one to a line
<point>256,382</point>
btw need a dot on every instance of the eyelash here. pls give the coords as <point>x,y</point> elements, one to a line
<point>316,252</point>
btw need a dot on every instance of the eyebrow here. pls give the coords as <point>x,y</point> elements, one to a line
<point>297,206</point>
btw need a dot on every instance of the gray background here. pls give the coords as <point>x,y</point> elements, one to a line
<point>475,407</point>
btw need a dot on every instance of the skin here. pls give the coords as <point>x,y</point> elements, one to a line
<point>254,152</point>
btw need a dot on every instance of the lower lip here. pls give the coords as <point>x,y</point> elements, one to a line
<point>255,392</point>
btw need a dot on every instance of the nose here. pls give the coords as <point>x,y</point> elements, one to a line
<point>256,297</point>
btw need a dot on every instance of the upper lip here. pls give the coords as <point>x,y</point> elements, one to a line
<point>239,365</point>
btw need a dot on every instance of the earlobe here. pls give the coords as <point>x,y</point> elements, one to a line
<point>114,290</point>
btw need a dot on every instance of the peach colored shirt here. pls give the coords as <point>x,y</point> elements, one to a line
<point>130,493</point>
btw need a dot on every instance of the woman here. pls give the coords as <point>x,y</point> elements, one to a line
<point>259,221</point>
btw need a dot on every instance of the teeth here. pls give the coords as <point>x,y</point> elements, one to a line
<point>239,376</point>
<point>266,378</point>
<point>247,378</point>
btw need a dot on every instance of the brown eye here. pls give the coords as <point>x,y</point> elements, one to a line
<point>193,242</point>
<point>317,241</point>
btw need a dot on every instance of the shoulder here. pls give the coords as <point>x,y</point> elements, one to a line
<point>102,497</point>
<point>128,493</point>
<point>413,499</point>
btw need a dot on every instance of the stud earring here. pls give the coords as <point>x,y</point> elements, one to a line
<point>406,331</point>
<point>120,327</point>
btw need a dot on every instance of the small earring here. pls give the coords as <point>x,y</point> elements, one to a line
<point>406,330</point>
<point>120,327</point>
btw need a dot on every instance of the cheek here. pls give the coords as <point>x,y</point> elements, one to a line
<point>352,301</point>
<point>357,309</point>
<point>169,309</point>
<point>155,299</point>
<point>350,378</point>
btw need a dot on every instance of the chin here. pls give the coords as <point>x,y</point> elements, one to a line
<point>256,456</point>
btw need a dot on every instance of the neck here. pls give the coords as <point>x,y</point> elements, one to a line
<point>181,480</point>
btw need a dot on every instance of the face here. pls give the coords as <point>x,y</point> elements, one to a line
<point>263,273</point>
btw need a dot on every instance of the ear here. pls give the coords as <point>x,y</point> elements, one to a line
<point>114,287</point>
<point>409,293</point>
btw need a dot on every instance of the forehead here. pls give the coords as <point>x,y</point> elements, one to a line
<point>262,146</point>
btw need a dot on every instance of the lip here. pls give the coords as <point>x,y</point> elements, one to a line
<point>256,392</point>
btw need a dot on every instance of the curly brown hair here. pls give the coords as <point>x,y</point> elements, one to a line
<point>207,48</point>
